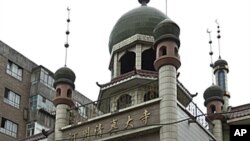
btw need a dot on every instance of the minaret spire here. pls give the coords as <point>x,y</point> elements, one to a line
<point>211,54</point>
<point>218,37</point>
<point>66,45</point>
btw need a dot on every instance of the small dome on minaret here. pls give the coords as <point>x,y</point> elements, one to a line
<point>167,29</point>
<point>64,85</point>
<point>220,64</point>
<point>64,75</point>
<point>212,93</point>
<point>167,43</point>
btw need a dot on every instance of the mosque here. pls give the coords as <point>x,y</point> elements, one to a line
<point>144,100</point>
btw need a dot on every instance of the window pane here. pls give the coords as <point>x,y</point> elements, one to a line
<point>8,127</point>
<point>14,70</point>
<point>11,98</point>
<point>14,129</point>
<point>8,66</point>
<point>17,100</point>
<point>20,73</point>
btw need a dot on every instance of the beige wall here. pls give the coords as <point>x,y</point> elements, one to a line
<point>121,118</point>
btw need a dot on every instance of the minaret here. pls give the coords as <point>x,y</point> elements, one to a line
<point>167,44</point>
<point>213,97</point>
<point>221,70</point>
<point>214,102</point>
<point>64,85</point>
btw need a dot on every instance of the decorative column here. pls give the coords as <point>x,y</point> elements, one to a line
<point>115,66</point>
<point>138,53</point>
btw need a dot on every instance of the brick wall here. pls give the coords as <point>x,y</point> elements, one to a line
<point>20,87</point>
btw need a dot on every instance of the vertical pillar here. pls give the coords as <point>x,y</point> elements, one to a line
<point>217,130</point>
<point>138,52</point>
<point>226,102</point>
<point>62,119</point>
<point>115,67</point>
<point>168,104</point>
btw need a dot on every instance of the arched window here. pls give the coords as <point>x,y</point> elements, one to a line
<point>69,93</point>
<point>124,101</point>
<point>148,58</point>
<point>58,92</point>
<point>150,95</point>
<point>162,51</point>
<point>213,109</point>
<point>176,52</point>
<point>127,62</point>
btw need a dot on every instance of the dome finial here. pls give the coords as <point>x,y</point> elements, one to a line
<point>143,2</point>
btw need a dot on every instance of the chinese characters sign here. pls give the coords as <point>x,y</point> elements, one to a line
<point>114,125</point>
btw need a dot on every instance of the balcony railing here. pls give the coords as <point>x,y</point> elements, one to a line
<point>99,108</point>
<point>198,115</point>
<point>96,109</point>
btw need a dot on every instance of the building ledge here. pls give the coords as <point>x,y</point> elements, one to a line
<point>111,114</point>
<point>133,131</point>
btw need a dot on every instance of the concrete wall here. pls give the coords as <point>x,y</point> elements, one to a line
<point>130,133</point>
<point>16,57</point>
<point>190,131</point>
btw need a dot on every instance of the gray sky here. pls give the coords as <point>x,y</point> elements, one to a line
<point>36,28</point>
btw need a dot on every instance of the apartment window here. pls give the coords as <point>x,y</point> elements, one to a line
<point>33,102</point>
<point>14,70</point>
<point>46,79</point>
<point>40,102</point>
<point>12,98</point>
<point>30,129</point>
<point>8,127</point>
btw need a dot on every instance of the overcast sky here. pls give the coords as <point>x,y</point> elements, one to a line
<point>36,28</point>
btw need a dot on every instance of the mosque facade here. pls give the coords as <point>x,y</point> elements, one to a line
<point>144,100</point>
